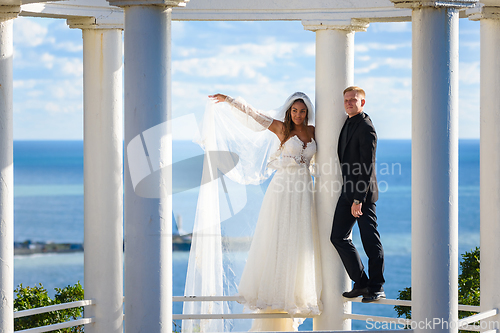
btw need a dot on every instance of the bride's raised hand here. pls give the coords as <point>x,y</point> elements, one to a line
<point>218,98</point>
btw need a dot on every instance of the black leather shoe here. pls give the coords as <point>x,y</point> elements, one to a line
<point>355,292</point>
<point>373,296</point>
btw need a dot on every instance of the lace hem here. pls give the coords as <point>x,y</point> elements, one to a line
<point>305,310</point>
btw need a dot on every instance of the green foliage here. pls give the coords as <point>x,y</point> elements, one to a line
<point>405,311</point>
<point>37,296</point>
<point>468,286</point>
<point>468,281</point>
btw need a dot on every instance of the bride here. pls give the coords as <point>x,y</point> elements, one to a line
<point>283,271</point>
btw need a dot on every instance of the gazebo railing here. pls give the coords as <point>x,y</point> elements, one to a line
<point>463,324</point>
<point>51,308</point>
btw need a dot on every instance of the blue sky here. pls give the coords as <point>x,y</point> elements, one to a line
<point>263,62</point>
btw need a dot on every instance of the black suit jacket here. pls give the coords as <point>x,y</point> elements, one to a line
<point>357,159</point>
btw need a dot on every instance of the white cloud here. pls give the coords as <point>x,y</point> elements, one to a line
<point>217,67</point>
<point>185,52</point>
<point>475,45</point>
<point>469,114</point>
<point>178,29</point>
<point>33,33</point>
<point>233,61</point>
<point>71,66</point>
<point>469,28</point>
<point>191,97</point>
<point>47,60</point>
<point>51,95</point>
<point>58,108</point>
<point>310,50</point>
<point>34,93</point>
<point>52,107</point>
<point>225,25</point>
<point>67,46</point>
<point>366,69</point>
<point>26,84</point>
<point>66,89</point>
<point>27,32</point>
<point>18,54</point>
<point>399,63</point>
<point>469,73</point>
<point>66,66</point>
<point>40,124</point>
<point>269,49</point>
<point>388,102</point>
<point>366,47</point>
<point>396,63</point>
<point>391,27</point>
<point>363,58</point>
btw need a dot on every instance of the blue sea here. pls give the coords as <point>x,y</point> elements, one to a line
<point>48,206</point>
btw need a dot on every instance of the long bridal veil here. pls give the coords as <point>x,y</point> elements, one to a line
<point>237,150</point>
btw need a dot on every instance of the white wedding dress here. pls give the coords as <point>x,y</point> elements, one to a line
<point>283,270</point>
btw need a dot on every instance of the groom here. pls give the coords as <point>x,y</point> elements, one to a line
<point>356,151</point>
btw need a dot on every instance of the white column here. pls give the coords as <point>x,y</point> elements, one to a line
<point>103,172</point>
<point>490,155</point>
<point>148,221</point>
<point>435,164</point>
<point>334,72</point>
<point>7,14</point>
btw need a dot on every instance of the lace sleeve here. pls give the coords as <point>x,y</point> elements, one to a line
<point>262,119</point>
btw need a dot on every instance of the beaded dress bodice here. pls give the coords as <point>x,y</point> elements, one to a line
<point>301,152</point>
<point>293,152</point>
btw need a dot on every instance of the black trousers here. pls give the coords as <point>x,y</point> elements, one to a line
<point>343,221</point>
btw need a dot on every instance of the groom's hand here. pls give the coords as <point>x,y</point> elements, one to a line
<point>356,210</point>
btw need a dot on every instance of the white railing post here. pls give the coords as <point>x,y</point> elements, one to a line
<point>103,172</point>
<point>7,14</point>
<point>489,15</point>
<point>434,163</point>
<point>334,72</point>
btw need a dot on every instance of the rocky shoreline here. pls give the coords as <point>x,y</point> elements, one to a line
<point>28,247</point>
<point>179,243</point>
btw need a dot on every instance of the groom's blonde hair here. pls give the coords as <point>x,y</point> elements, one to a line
<point>357,89</point>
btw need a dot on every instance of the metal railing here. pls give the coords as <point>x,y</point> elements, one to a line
<point>51,308</point>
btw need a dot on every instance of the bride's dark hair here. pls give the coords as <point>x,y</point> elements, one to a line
<point>288,123</point>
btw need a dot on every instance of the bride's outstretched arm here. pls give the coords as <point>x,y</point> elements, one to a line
<point>271,124</point>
